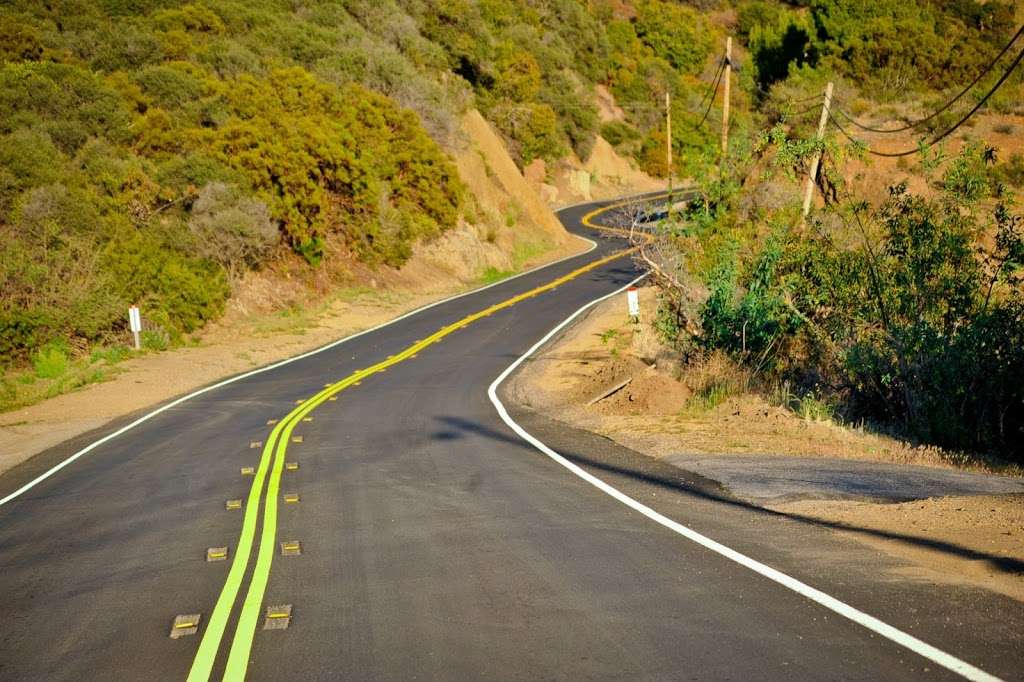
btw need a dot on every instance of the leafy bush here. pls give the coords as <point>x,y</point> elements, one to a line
<point>749,321</point>
<point>180,292</point>
<point>619,133</point>
<point>232,230</point>
<point>1011,172</point>
<point>776,45</point>
<point>902,315</point>
<point>868,41</point>
<point>328,144</point>
<point>51,361</point>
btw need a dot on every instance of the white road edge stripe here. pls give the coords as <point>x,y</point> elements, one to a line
<point>831,603</point>
<point>149,415</point>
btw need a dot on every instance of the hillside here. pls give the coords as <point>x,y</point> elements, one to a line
<point>156,152</point>
<point>198,158</point>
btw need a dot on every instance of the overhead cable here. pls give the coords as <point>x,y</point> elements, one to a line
<point>945,107</point>
<point>949,131</point>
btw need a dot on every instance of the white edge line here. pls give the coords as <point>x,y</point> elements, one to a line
<point>877,626</point>
<point>149,415</point>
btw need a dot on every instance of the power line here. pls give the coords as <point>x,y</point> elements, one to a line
<point>804,112</point>
<point>948,132</point>
<point>713,92</point>
<point>713,88</point>
<point>916,124</point>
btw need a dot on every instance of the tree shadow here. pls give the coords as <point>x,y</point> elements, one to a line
<point>671,478</point>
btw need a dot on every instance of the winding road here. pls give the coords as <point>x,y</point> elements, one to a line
<point>394,515</point>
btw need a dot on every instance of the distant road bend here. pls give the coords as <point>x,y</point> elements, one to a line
<point>381,510</point>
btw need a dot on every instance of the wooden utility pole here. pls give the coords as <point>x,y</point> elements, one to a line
<point>668,138</point>
<point>725,105</point>
<point>816,162</point>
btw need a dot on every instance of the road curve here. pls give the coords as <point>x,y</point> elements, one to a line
<point>435,542</point>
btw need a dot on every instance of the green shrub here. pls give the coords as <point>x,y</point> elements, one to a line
<point>173,85</point>
<point>51,361</point>
<point>675,33</point>
<point>1011,172</point>
<point>230,229</point>
<point>775,46</point>
<point>748,319</point>
<point>867,41</point>
<point>180,292</point>
<point>619,133</point>
<point>155,340</point>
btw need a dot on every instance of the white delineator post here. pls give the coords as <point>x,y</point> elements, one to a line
<point>633,301</point>
<point>135,324</point>
<point>813,176</point>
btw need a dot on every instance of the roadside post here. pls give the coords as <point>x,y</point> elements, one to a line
<point>135,323</point>
<point>812,176</point>
<point>633,300</point>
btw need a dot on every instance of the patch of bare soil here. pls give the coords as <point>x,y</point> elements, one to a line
<point>976,540</point>
<point>662,410</point>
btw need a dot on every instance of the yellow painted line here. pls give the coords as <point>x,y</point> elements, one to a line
<point>588,218</point>
<point>241,645</point>
<point>272,463</point>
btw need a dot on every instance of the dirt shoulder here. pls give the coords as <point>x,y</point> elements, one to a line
<point>233,346</point>
<point>278,313</point>
<point>966,528</point>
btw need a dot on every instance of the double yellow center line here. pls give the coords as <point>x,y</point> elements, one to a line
<point>269,471</point>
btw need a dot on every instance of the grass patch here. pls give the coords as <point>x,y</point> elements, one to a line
<point>526,251</point>
<point>713,378</point>
<point>297,318</point>
<point>523,252</point>
<point>55,372</point>
<point>708,397</point>
<point>809,406</point>
<point>492,274</point>
<point>51,361</point>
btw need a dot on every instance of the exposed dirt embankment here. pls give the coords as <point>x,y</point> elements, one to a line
<point>605,174</point>
<point>698,415</point>
<point>288,310</point>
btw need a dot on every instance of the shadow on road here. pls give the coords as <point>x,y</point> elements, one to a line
<point>668,477</point>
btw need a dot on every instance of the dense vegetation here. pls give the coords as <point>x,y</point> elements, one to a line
<point>905,310</point>
<point>149,151</point>
<point>153,151</point>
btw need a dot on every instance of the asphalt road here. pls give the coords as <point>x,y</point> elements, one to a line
<point>437,544</point>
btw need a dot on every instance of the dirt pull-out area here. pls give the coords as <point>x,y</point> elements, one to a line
<point>613,377</point>
<point>977,539</point>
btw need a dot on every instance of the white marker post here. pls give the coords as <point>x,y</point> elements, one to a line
<point>135,323</point>
<point>633,299</point>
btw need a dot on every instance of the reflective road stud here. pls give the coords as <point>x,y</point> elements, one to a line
<point>217,554</point>
<point>270,422</point>
<point>255,444</point>
<point>296,439</point>
<point>278,617</point>
<point>232,504</point>
<point>248,471</point>
<point>186,624</point>
<point>291,548</point>
<point>291,466</point>
<point>291,498</point>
